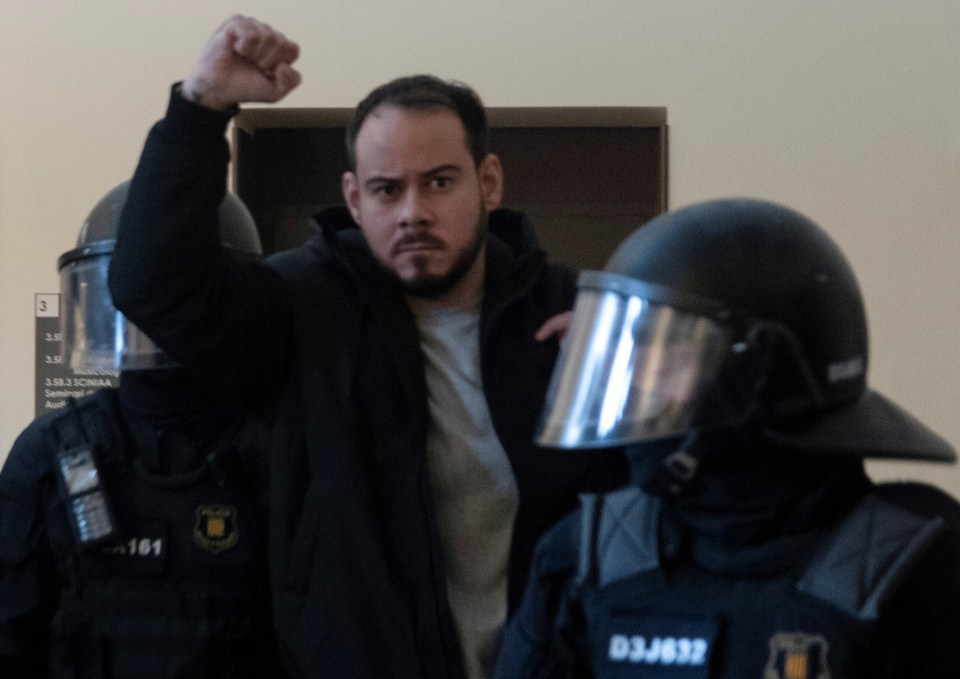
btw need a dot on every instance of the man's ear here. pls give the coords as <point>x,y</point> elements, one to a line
<point>490,173</point>
<point>350,186</point>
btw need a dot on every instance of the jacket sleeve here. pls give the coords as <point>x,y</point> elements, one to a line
<point>225,318</point>
<point>544,638</point>
<point>28,585</point>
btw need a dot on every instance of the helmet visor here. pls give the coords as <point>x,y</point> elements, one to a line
<point>136,350</point>
<point>88,320</point>
<point>94,335</point>
<point>631,369</point>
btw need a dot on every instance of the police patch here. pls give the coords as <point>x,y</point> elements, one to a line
<point>216,529</point>
<point>796,655</point>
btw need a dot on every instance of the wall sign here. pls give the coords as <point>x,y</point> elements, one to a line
<point>55,382</point>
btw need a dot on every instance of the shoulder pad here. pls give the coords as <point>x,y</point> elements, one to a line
<point>618,536</point>
<point>27,468</point>
<point>868,555</point>
<point>923,499</point>
<point>87,419</point>
<point>81,419</point>
<point>557,550</point>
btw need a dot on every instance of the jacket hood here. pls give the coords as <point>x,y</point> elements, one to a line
<point>511,237</point>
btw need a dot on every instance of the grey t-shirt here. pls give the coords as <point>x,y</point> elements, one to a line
<point>474,490</point>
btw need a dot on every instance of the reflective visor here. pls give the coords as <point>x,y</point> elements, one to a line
<point>633,365</point>
<point>88,321</point>
<point>94,336</point>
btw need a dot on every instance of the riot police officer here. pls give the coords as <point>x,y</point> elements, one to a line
<point>726,344</point>
<point>132,521</point>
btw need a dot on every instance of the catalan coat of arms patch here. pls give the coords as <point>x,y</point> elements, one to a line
<point>216,529</point>
<point>797,655</point>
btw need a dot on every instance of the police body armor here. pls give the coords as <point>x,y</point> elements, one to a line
<point>181,590</point>
<point>641,622</point>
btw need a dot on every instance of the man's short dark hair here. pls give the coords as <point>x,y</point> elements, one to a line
<point>425,92</point>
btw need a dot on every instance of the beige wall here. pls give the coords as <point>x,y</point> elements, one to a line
<point>846,111</point>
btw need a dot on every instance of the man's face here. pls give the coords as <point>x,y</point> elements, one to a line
<point>420,199</point>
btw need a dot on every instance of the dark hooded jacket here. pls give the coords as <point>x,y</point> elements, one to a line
<point>321,341</point>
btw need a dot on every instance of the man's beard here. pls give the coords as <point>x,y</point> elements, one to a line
<point>432,287</point>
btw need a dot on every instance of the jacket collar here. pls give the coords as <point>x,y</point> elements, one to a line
<point>514,262</point>
<point>514,256</point>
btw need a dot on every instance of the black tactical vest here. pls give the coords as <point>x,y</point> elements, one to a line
<point>815,623</point>
<point>182,591</point>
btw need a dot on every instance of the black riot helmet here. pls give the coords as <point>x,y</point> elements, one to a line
<point>93,334</point>
<point>729,313</point>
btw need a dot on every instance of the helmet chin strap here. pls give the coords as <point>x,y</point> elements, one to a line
<point>732,403</point>
<point>740,400</point>
<point>678,469</point>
